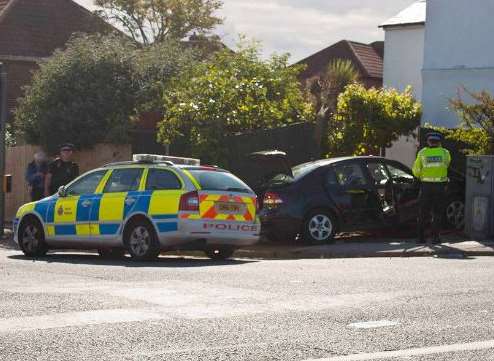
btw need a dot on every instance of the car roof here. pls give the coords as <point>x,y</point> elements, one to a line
<point>323,162</point>
<point>164,164</point>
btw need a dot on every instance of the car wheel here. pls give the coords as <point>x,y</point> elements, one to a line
<point>112,253</point>
<point>319,227</point>
<point>455,213</point>
<point>220,253</point>
<point>141,241</point>
<point>32,238</point>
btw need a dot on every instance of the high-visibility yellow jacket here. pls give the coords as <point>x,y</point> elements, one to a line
<point>432,165</point>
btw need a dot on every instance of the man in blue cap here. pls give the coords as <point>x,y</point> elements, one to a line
<point>431,168</point>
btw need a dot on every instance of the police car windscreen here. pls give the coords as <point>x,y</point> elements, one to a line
<point>219,181</point>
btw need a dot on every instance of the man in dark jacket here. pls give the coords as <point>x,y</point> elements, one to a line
<point>61,171</point>
<point>35,176</point>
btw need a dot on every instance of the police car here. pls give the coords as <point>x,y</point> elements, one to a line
<point>143,207</point>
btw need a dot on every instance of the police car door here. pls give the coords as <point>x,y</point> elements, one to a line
<point>72,210</point>
<point>120,198</point>
<point>166,188</point>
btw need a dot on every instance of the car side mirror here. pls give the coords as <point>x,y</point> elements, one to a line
<point>62,192</point>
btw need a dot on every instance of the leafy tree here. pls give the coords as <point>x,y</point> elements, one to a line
<point>476,131</point>
<point>91,92</point>
<point>149,21</point>
<point>325,91</point>
<point>369,120</point>
<point>232,93</point>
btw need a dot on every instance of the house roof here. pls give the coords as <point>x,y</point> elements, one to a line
<point>367,58</point>
<point>415,14</point>
<point>35,28</point>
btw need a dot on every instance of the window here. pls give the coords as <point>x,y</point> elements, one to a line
<point>219,181</point>
<point>400,174</point>
<point>349,175</point>
<point>87,184</point>
<point>378,173</point>
<point>124,180</point>
<point>159,179</point>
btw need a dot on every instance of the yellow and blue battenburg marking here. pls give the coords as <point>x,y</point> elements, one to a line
<point>104,214</point>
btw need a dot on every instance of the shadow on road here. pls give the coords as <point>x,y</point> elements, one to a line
<point>92,259</point>
<point>447,252</point>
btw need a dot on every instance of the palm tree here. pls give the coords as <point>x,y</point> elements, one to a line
<point>325,91</point>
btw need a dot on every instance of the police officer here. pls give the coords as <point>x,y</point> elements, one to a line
<point>431,168</point>
<point>61,171</point>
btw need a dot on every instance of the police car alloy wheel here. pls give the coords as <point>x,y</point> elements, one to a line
<point>319,227</point>
<point>141,241</point>
<point>32,239</point>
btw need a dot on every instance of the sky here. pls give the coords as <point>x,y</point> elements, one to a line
<point>303,27</point>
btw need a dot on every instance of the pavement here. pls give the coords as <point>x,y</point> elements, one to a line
<point>357,245</point>
<point>73,306</point>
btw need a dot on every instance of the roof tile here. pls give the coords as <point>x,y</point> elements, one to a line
<point>369,57</point>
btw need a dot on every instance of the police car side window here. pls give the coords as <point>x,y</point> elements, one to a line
<point>159,179</point>
<point>124,180</point>
<point>87,184</point>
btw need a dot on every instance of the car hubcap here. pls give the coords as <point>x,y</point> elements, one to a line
<point>29,238</point>
<point>140,241</point>
<point>455,214</point>
<point>320,227</point>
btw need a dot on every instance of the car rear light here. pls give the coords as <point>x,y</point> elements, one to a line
<point>189,202</point>
<point>272,200</point>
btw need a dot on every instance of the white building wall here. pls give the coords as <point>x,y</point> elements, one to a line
<point>458,52</point>
<point>403,60</point>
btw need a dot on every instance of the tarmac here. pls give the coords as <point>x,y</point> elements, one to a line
<point>357,245</point>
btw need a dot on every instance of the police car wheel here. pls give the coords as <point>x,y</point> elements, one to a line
<point>220,253</point>
<point>319,227</point>
<point>113,253</point>
<point>141,241</point>
<point>32,238</point>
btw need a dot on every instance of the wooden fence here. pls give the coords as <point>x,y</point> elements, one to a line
<point>17,159</point>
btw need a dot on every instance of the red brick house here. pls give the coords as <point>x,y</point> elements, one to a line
<point>367,59</point>
<point>30,31</point>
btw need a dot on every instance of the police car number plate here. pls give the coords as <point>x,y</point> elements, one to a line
<point>230,208</point>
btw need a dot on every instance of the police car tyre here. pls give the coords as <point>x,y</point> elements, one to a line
<point>141,241</point>
<point>220,253</point>
<point>319,227</point>
<point>32,238</point>
<point>112,253</point>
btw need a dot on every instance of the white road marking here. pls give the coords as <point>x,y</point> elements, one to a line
<point>460,347</point>
<point>68,319</point>
<point>373,324</point>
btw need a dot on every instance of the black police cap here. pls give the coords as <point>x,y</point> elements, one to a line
<point>434,136</point>
<point>68,146</point>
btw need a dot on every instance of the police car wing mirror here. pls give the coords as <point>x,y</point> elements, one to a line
<point>62,192</point>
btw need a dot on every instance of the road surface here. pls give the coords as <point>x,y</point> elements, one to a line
<point>80,307</point>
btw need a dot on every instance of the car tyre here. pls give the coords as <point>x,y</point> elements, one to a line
<point>454,214</point>
<point>141,241</point>
<point>32,238</point>
<point>319,227</point>
<point>220,253</point>
<point>112,253</point>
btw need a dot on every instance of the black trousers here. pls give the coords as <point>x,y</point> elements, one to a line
<point>432,201</point>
